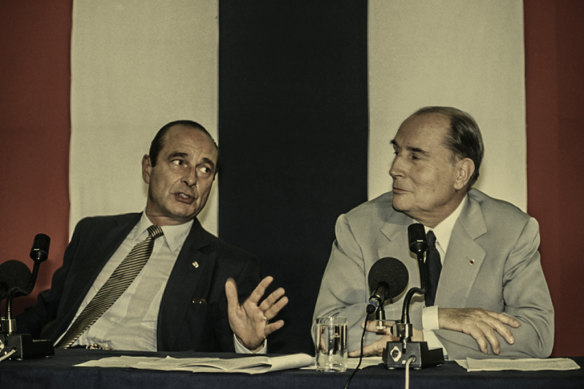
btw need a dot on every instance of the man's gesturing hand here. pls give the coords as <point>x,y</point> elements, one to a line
<point>480,324</point>
<point>250,320</point>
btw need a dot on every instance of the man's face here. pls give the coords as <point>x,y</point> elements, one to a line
<point>179,184</point>
<point>427,182</point>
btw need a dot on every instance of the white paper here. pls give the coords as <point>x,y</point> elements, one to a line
<point>525,364</point>
<point>249,365</point>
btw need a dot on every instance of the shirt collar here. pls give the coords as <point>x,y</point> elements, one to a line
<point>174,236</point>
<point>443,230</point>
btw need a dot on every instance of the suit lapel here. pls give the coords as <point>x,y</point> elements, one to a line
<point>394,243</point>
<point>464,257</point>
<point>102,244</point>
<point>104,247</point>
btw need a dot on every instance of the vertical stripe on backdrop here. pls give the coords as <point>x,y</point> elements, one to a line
<point>136,65</point>
<point>34,133</point>
<point>554,36</point>
<point>293,128</point>
<point>464,53</point>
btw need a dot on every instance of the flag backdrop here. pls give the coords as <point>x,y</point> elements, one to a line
<point>303,98</point>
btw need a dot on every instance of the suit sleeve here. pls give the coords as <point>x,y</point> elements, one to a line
<point>246,281</point>
<point>344,289</point>
<point>526,298</point>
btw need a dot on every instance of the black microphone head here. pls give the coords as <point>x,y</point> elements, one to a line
<point>40,248</point>
<point>13,275</point>
<point>417,238</point>
<point>391,272</point>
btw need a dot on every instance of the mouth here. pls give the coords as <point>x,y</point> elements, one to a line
<point>184,198</point>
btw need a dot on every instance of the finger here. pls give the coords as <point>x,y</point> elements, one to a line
<point>499,321</point>
<point>505,319</point>
<point>276,308</point>
<point>271,299</point>
<point>272,327</point>
<point>505,332</point>
<point>231,294</point>
<point>259,291</point>
<point>373,326</point>
<point>375,348</point>
<point>370,326</point>
<point>493,341</point>
<point>479,337</point>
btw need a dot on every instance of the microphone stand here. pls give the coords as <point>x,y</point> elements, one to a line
<point>397,353</point>
<point>23,346</point>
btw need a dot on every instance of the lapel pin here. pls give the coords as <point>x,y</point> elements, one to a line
<point>195,264</point>
<point>472,261</point>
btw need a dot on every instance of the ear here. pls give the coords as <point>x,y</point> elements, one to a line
<point>146,168</point>
<point>464,170</point>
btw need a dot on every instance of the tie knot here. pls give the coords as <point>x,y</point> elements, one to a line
<point>431,239</point>
<point>155,231</point>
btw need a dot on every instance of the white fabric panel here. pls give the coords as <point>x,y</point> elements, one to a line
<point>464,53</point>
<point>136,65</point>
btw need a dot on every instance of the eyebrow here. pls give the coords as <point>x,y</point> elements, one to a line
<point>178,154</point>
<point>185,155</point>
<point>410,148</point>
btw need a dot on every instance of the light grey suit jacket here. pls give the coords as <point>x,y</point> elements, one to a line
<point>492,262</point>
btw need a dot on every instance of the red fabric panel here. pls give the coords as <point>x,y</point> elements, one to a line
<point>554,38</point>
<point>34,131</point>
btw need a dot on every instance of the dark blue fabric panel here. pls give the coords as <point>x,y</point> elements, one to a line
<point>293,134</point>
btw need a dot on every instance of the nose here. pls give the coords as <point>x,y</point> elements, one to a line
<point>396,169</point>
<point>190,176</point>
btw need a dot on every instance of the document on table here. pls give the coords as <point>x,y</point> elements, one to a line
<point>525,364</point>
<point>249,364</point>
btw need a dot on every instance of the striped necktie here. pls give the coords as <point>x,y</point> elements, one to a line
<point>113,288</point>
<point>434,267</point>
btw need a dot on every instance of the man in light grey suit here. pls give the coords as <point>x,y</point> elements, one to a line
<point>492,297</point>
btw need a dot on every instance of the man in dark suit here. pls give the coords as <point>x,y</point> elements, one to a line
<point>186,296</point>
<point>491,296</point>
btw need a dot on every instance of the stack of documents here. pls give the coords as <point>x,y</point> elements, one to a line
<point>249,365</point>
<point>527,364</point>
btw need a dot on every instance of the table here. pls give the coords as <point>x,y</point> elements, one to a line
<point>58,372</point>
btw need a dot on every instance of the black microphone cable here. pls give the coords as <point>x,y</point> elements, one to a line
<point>360,355</point>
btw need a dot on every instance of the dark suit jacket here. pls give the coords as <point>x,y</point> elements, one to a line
<point>193,310</point>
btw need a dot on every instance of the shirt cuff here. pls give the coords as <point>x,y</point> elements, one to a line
<point>429,324</point>
<point>430,318</point>
<point>241,349</point>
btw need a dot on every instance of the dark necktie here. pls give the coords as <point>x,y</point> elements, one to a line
<point>434,267</point>
<point>113,288</point>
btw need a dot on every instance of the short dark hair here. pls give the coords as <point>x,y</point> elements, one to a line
<point>464,138</point>
<point>158,141</point>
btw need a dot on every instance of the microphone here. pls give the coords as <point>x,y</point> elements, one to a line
<point>419,246</point>
<point>40,248</point>
<point>388,277</point>
<point>14,277</point>
<point>38,253</point>
<point>417,238</point>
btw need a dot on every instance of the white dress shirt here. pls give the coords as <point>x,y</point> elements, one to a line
<point>443,232</point>
<point>131,322</point>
